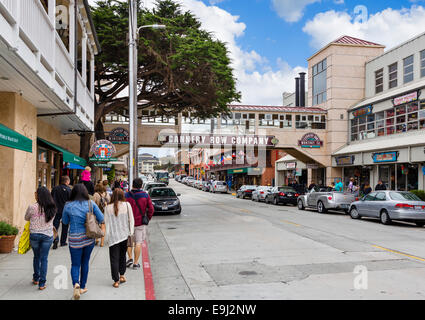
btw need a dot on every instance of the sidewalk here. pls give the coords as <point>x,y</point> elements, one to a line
<point>16,275</point>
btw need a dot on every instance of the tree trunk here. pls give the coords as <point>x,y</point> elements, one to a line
<point>100,134</point>
<point>85,139</point>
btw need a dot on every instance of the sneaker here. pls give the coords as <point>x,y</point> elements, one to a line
<point>55,245</point>
<point>136,266</point>
<point>77,292</point>
<point>129,263</point>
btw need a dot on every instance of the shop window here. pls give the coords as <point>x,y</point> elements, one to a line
<point>412,126</point>
<point>319,82</point>
<point>422,54</point>
<point>379,81</point>
<point>362,120</point>
<point>381,132</point>
<point>354,137</point>
<point>355,122</point>
<point>408,69</point>
<point>380,116</point>
<point>401,128</point>
<point>390,130</point>
<point>422,124</point>
<point>411,107</point>
<point>389,113</point>
<point>400,110</point>
<point>392,75</point>
<point>401,119</point>
<point>380,124</point>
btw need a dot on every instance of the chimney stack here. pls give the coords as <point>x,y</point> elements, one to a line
<point>297,92</point>
<point>302,89</point>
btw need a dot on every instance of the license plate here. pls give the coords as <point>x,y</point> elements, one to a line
<point>164,207</point>
<point>290,194</point>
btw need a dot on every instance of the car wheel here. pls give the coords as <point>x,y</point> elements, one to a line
<point>354,214</point>
<point>385,218</point>
<point>275,202</point>
<point>420,223</point>
<point>179,211</point>
<point>300,205</point>
<point>321,207</point>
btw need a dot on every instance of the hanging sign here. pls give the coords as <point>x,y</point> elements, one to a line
<point>344,160</point>
<point>119,136</point>
<point>406,98</point>
<point>291,165</point>
<point>310,140</point>
<point>385,156</point>
<point>103,149</point>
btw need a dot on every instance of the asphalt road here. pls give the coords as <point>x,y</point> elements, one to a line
<point>221,247</point>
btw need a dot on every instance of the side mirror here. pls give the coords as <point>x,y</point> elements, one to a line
<point>178,194</point>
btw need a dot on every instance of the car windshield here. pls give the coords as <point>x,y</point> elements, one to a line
<point>150,186</point>
<point>220,183</point>
<point>403,196</point>
<point>162,193</point>
<point>286,189</point>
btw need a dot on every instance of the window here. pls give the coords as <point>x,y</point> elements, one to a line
<point>408,69</point>
<point>422,55</point>
<point>319,82</point>
<point>392,75</point>
<point>379,80</point>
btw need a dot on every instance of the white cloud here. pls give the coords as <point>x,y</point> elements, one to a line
<point>388,27</point>
<point>292,10</point>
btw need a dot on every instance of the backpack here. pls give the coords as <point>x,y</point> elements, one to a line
<point>103,203</point>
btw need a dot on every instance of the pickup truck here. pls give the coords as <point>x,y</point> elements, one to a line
<point>324,199</point>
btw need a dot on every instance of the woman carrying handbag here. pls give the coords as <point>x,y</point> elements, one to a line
<point>83,217</point>
<point>119,233</point>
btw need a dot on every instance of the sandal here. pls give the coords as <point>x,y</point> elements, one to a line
<point>82,291</point>
<point>42,288</point>
<point>116,284</point>
<point>77,292</point>
<point>129,263</point>
<point>122,279</point>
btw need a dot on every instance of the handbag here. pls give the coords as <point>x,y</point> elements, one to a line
<point>130,239</point>
<point>145,219</point>
<point>24,241</point>
<point>93,229</point>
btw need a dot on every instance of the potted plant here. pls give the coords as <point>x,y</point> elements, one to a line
<point>7,237</point>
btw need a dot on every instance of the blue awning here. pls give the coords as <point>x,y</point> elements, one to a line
<point>74,166</point>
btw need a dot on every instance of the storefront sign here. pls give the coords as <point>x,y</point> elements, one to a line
<point>406,98</point>
<point>235,171</point>
<point>298,172</point>
<point>255,171</point>
<point>363,111</point>
<point>15,140</point>
<point>344,160</point>
<point>291,165</point>
<point>119,136</point>
<point>385,156</point>
<point>310,140</point>
<point>312,166</point>
<point>103,165</point>
<point>99,160</point>
<point>200,139</point>
<point>103,149</point>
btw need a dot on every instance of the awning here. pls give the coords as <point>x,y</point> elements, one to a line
<point>74,166</point>
<point>67,156</point>
<point>12,139</point>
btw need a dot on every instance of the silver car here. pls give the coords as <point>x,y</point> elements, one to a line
<point>218,186</point>
<point>261,193</point>
<point>390,205</point>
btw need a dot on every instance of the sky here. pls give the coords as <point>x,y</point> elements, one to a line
<point>270,40</point>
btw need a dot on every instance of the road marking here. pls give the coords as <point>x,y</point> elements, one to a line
<point>245,210</point>
<point>398,252</point>
<point>295,224</point>
<point>147,273</point>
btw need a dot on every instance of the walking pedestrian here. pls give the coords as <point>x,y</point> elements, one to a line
<point>119,221</point>
<point>61,195</point>
<point>80,246</point>
<point>367,189</point>
<point>107,187</point>
<point>141,204</point>
<point>41,215</point>
<point>102,199</point>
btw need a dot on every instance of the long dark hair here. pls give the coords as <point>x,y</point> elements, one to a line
<point>46,202</point>
<point>117,196</point>
<point>79,193</point>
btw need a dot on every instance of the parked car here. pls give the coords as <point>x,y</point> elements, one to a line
<point>324,199</point>
<point>188,180</point>
<point>283,195</point>
<point>149,185</point>
<point>206,186</point>
<point>260,193</point>
<point>390,205</point>
<point>165,200</point>
<point>198,184</point>
<point>218,186</point>
<point>245,191</point>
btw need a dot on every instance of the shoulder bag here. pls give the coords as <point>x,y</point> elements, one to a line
<point>131,238</point>
<point>145,219</point>
<point>93,229</point>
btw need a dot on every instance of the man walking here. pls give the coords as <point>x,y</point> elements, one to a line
<point>61,195</point>
<point>141,205</point>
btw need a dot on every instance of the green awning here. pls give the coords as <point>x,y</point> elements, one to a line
<point>67,156</point>
<point>12,139</point>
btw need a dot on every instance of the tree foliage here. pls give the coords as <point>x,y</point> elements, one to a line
<point>182,68</point>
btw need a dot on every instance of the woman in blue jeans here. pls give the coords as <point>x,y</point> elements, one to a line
<point>40,215</point>
<point>80,246</point>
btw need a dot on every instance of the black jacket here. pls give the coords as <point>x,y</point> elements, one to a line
<point>61,195</point>
<point>380,187</point>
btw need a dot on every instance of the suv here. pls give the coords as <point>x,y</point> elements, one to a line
<point>218,186</point>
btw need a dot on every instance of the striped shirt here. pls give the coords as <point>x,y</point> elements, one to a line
<point>119,227</point>
<point>79,240</point>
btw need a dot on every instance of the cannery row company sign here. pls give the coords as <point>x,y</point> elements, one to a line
<point>119,136</point>
<point>201,139</point>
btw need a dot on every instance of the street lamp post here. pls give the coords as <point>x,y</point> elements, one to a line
<point>132,88</point>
